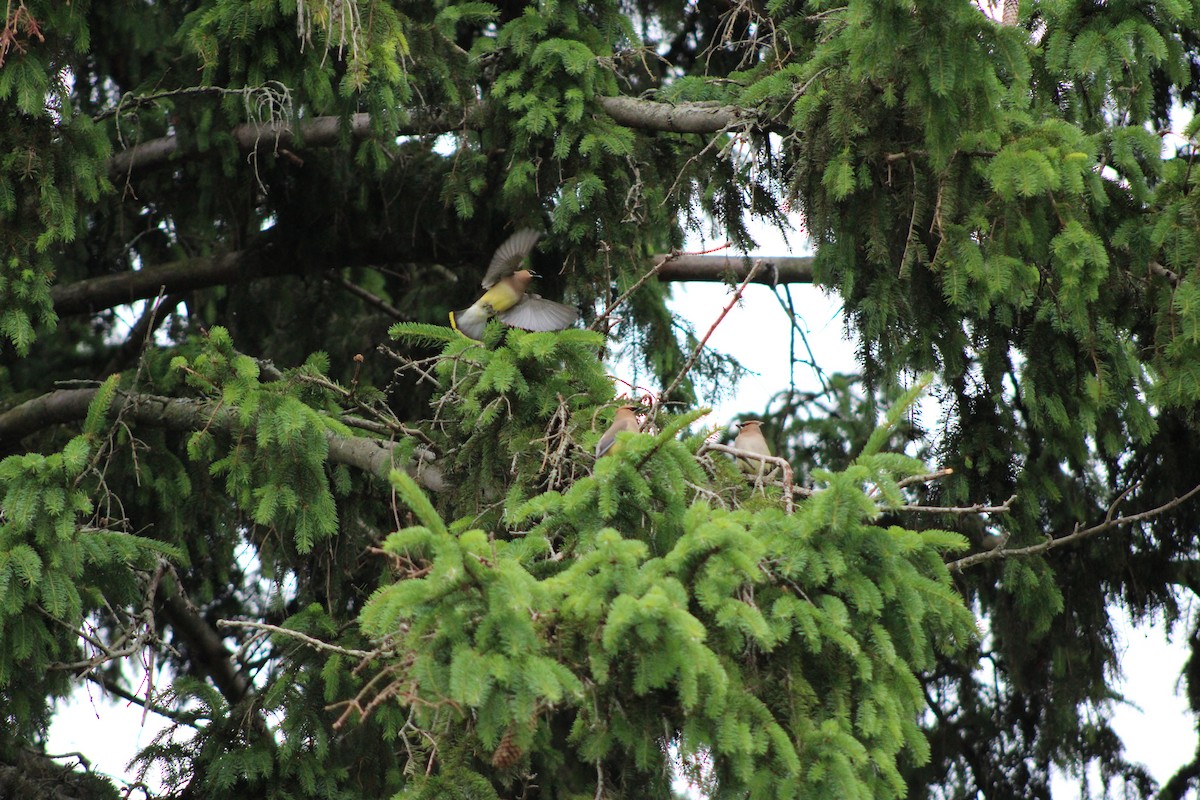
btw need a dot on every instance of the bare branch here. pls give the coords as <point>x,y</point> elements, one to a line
<point>979,508</point>
<point>368,297</point>
<point>95,294</point>
<point>315,132</point>
<point>659,263</point>
<point>672,117</point>
<point>926,478</point>
<point>1076,535</point>
<point>788,494</point>
<point>1171,276</point>
<point>112,687</point>
<point>309,640</point>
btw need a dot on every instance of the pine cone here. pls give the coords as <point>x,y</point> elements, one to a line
<point>507,753</point>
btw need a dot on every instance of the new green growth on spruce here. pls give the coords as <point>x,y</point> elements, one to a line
<point>590,627</point>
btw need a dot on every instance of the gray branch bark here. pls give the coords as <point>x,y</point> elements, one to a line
<point>95,294</point>
<point>324,131</point>
<point>725,269</point>
<point>673,117</point>
<point>279,135</point>
<point>373,456</point>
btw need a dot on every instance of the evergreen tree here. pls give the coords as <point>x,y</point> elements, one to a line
<point>377,557</point>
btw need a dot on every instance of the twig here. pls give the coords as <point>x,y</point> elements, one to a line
<point>691,362</point>
<point>317,643</point>
<point>615,304</point>
<point>926,478</point>
<point>788,502</point>
<point>183,718</point>
<point>789,308</point>
<point>386,424</point>
<point>979,508</point>
<point>141,335</point>
<point>368,297</point>
<point>1076,535</point>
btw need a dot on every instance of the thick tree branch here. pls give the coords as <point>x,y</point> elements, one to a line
<point>673,117</point>
<point>95,294</point>
<point>725,269</point>
<point>325,131</point>
<point>315,132</point>
<point>207,648</point>
<point>373,456</point>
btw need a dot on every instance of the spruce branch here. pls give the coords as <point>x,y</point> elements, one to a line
<point>134,636</point>
<point>1078,534</point>
<point>384,421</point>
<point>112,687</point>
<point>373,456</point>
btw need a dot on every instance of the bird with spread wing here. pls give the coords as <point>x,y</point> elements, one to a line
<point>506,294</point>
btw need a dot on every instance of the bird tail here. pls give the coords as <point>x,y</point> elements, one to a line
<point>470,322</point>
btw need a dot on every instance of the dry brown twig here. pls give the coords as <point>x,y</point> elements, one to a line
<point>782,463</point>
<point>556,466</point>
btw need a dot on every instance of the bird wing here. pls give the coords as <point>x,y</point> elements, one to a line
<point>606,441</point>
<point>508,256</point>
<point>621,423</point>
<point>536,313</point>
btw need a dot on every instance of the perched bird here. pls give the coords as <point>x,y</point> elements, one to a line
<point>506,296</point>
<point>751,439</point>
<point>625,420</point>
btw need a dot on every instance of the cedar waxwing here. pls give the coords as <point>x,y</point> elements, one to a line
<point>625,420</point>
<point>506,297</point>
<point>751,439</point>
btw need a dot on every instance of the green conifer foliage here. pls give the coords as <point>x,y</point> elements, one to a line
<point>600,624</point>
<point>359,555</point>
